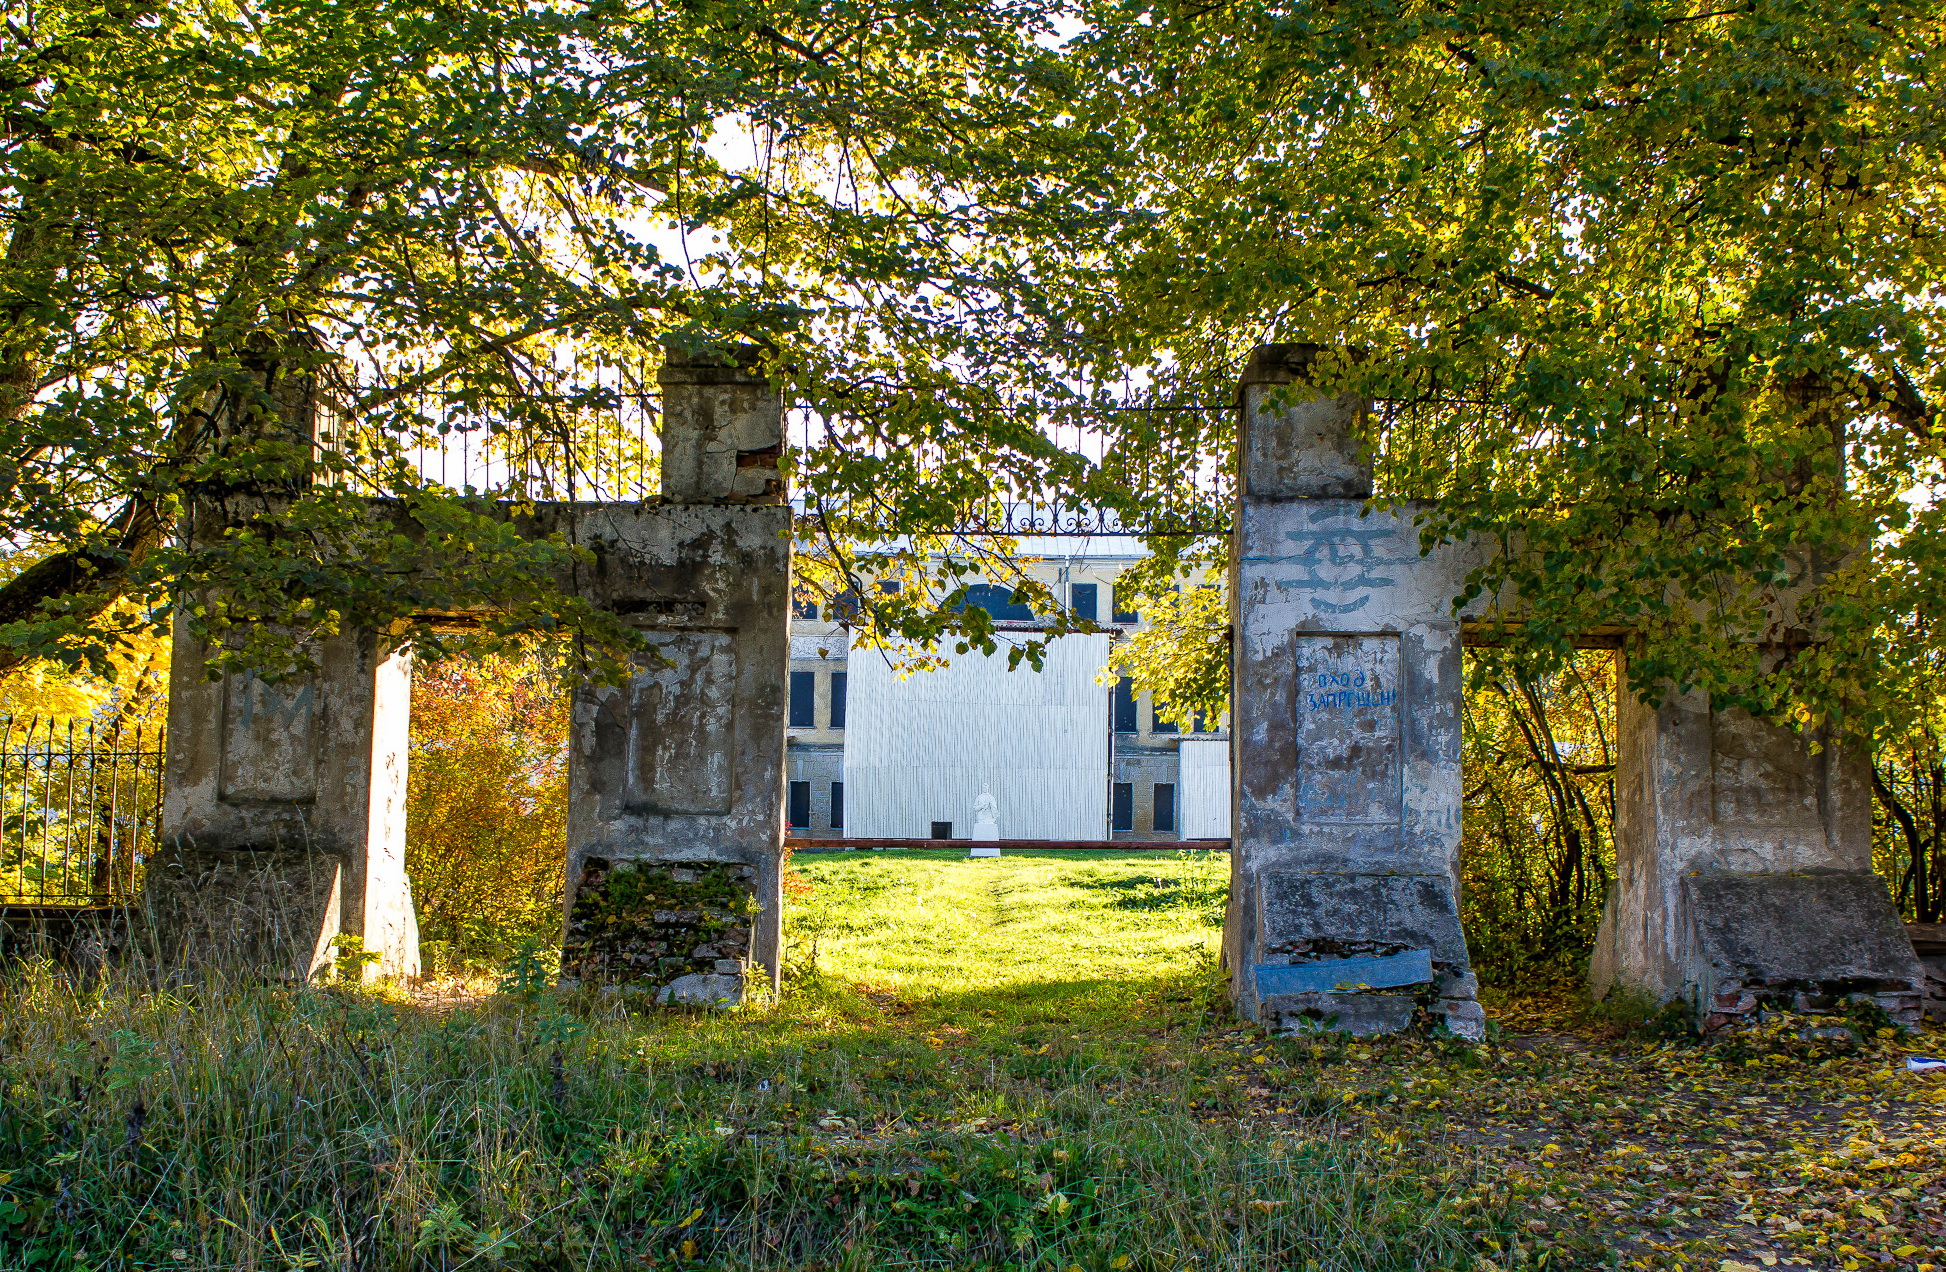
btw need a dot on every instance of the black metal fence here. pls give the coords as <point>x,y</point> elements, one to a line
<point>80,810</point>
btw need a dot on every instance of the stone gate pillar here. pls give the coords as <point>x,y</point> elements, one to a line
<point>676,779</point>
<point>1344,894</point>
<point>284,814</point>
<point>1744,870</point>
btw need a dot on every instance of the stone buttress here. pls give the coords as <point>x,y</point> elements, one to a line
<point>1344,895</point>
<point>1744,871</point>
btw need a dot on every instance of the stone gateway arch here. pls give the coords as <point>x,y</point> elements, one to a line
<point>1743,856</point>
<point>285,810</point>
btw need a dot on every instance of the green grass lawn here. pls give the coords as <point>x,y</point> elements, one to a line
<point>1080,933</point>
<point>1018,1063</point>
<point>997,1063</point>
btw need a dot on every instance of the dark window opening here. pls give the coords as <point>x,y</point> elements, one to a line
<point>1081,601</point>
<point>997,601</point>
<point>942,830</point>
<point>804,700</point>
<point>1196,723</point>
<point>805,608</point>
<point>1124,807</point>
<point>1125,719</point>
<point>837,699</point>
<point>800,809</point>
<point>837,805</point>
<point>1165,806</point>
<point>1157,724</point>
<point>846,605</point>
<point>1115,603</point>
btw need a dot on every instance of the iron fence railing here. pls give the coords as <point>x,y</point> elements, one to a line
<point>80,810</point>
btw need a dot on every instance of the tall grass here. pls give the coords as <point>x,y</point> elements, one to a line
<point>255,1128</point>
<point>1073,1106</point>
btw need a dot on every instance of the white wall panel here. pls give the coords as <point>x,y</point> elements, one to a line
<point>1203,788</point>
<point>918,749</point>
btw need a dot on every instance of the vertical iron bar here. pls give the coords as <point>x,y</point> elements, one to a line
<point>114,811</point>
<point>67,814</point>
<point>6,750</point>
<point>161,755</point>
<point>47,808</point>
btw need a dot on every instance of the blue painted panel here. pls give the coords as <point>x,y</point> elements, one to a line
<point>1414,967</point>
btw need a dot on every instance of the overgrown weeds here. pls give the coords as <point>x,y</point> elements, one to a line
<point>1005,1110</point>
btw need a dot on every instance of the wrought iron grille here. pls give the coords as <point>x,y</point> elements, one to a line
<point>80,810</point>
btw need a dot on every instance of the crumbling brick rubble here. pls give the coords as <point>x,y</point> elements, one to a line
<point>678,928</point>
<point>1734,1000</point>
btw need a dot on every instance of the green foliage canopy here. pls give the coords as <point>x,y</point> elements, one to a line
<point>1648,291</point>
<point>232,226</point>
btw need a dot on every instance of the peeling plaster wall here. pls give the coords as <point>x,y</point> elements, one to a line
<point>676,780</point>
<point>685,765</point>
<point>283,813</point>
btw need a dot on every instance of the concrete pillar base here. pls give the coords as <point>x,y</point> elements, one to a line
<point>1807,941</point>
<point>1361,953</point>
<point>1743,872</point>
<point>270,913</point>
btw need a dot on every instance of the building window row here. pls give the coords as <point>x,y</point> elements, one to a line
<point>797,808</point>
<point>804,701</point>
<point>841,608</point>
<point>1084,601</point>
<point>1163,807</point>
<point>1128,716</point>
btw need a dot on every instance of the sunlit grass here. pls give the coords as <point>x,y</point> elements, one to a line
<point>1060,924</point>
<point>1022,1063</point>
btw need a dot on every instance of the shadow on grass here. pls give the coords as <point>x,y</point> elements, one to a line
<point>299,1128</point>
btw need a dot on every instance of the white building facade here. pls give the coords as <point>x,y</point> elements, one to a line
<point>875,751</point>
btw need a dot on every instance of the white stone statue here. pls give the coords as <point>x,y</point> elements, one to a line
<point>986,827</point>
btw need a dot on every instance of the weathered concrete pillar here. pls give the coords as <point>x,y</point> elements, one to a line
<point>1744,870</point>
<point>1344,896</point>
<point>676,780</point>
<point>284,814</point>
<point>722,433</point>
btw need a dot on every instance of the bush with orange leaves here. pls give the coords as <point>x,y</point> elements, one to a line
<point>487,809</point>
